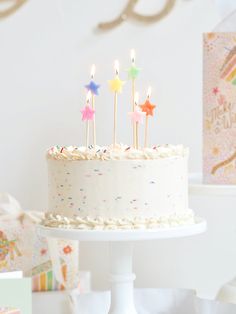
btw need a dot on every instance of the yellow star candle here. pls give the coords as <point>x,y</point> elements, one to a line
<point>116,87</point>
<point>148,108</point>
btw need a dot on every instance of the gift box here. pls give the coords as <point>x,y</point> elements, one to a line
<point>56,269</point>
<point>21,248</point>
<point>15,243</point>
<point>219,108</point>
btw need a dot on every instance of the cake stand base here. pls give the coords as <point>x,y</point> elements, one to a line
<point>121,253</point>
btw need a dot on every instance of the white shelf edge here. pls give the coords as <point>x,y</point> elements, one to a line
<point>197,187</point>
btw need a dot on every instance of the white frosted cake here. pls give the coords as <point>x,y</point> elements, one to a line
<point>118,188</point>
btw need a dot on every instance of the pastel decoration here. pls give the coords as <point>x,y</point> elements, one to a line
<point>148,108</point>
<point>43,278</point>
<point>9,310</point>
<point>87,113</point>
<point>116,85</point>
<point>219,110</point>
<point>133,73</point>
<point>92,87</point>
<point>137,116</point>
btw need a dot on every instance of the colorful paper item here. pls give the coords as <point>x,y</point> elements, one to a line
<point>219,110</point>
<point>43,278</point>
<point>8,310</point>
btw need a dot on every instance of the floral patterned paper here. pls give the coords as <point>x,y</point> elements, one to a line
<point>219,110</point>
<point>22,249</point>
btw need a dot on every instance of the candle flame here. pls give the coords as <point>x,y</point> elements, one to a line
<point>93,69</point>
<point>88,97</point>
<point>132,55</point>
<point>136,98</point>
<point>116,65</point>
<point>149,92</point>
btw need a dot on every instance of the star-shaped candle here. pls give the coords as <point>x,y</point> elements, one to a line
<point>137,116</point>
<point>147,108</point>
<point>116,87</point>
<point>93,88</point>
<point>87,115</point>
<point>133,73</point>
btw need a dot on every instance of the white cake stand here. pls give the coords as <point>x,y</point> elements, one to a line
<point>121,251</point>
<point>227,292</point>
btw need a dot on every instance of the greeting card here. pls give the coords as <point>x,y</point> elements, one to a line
<point>219,108</point>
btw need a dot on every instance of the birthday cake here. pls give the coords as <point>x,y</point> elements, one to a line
<point>118,186</point>
<point>123,188</point>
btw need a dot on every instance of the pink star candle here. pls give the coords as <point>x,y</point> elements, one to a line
<point>87,115</point>
<point>137,117</point>
<point>93,88</point>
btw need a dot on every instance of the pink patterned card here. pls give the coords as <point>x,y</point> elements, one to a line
<point>219,108</point>
<point>8,310</point>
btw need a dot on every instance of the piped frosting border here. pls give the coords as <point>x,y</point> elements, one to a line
<point>119,152</point>
<point>87,223</point>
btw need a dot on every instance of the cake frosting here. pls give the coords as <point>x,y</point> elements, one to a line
<point>118,187</point>
<point>118,152</point>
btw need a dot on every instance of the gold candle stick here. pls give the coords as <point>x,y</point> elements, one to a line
<point>93,106</point>
<point>87,115</point>
<point>116,87</point>
<point>146,133</point>
<point>133,73</point>
<point>148,108</point>
<point>115,119</point>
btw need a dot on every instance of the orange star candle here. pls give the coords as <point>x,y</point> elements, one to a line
<point>148,108</point>
<point>116,87</point>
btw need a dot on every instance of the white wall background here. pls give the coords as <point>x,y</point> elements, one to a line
<point>46,50</point>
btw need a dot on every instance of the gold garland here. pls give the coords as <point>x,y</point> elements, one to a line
<point>129,12</point>
<point>12,9</point>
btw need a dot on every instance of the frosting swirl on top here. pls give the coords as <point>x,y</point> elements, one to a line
<point>118,152</point>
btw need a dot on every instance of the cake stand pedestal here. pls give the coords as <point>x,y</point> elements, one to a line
<point>121,253</point>
<point>227,293</point>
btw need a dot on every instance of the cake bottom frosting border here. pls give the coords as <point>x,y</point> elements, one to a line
<point>53,220</point>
